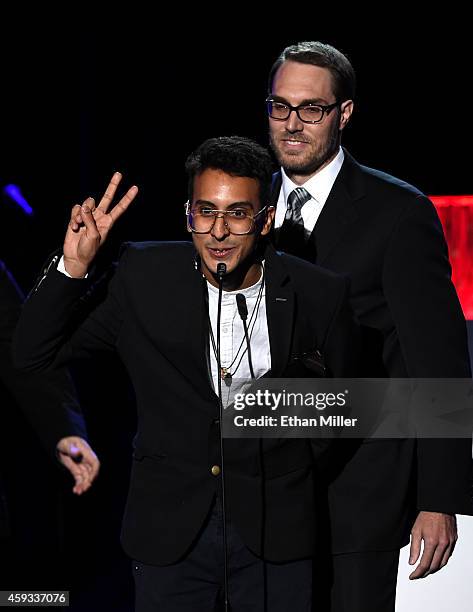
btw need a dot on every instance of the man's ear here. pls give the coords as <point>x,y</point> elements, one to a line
<point>346,110</point>
<point>268,220</point>
<point>186,208</point>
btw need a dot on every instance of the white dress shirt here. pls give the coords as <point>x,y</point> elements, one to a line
<point>232,336</point>
<point>319,187</point>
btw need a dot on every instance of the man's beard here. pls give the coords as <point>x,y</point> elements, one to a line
<point>307,165</point>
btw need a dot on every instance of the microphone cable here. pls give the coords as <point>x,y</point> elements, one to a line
<point>243,312</point>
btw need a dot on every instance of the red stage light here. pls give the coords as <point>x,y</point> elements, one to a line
<point>456,215</point>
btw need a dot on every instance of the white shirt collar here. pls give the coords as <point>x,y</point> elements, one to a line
<point>319,185</point>
<point>248,292</point>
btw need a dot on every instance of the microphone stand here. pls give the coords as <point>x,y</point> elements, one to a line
<point>221,271</point>
<point>243,312</point>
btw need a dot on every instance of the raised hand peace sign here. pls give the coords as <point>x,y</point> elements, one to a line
<point>89,227</point>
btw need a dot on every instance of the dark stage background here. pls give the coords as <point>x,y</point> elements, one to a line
<point>77,106</point>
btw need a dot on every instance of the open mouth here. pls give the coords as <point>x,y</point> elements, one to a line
<point>220,253</point>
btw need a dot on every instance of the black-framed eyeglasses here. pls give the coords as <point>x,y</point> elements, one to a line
<point>238,222</point>
<point>307,113</point>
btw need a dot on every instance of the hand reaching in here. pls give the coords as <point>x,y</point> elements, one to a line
<point>76,455</point>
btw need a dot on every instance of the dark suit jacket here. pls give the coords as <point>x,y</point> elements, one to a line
<point>155,316</point>
<point>48,400</point>
<point>386,236</point>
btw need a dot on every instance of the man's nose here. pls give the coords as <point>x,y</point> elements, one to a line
<point>293,123</point>
<point>220,228</point>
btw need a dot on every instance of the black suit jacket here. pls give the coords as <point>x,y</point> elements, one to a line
<point>155,316</point>
<point>386,236</point>
<point>47,400</point>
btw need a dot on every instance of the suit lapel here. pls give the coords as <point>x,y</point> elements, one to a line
<point>191,336</point>
<point>279,311</point>
<point>339,211</point>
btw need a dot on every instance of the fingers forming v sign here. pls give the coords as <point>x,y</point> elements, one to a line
<point>89,226</point>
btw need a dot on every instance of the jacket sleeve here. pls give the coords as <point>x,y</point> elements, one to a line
<point>66,319</point>
<point>432,334</point>
<point>48,400</point>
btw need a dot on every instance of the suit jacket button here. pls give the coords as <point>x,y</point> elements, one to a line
<point>215,470</point>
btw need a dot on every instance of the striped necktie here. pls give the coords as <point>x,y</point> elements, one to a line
<point>296,200</point>
<point>292,236</point>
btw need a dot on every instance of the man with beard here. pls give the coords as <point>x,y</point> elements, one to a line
<point>386,236</point>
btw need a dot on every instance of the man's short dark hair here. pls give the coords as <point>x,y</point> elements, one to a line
<point>236,156</point>
<point>325,56</point>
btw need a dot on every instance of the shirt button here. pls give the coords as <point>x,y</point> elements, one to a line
<point>215,470</point>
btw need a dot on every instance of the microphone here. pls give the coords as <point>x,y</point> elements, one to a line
<point>221,271</point>
<point>243,312</point>
<point>242,307</point>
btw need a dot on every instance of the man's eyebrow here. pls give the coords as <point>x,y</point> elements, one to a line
<point>304,102</point>
<point>207,203</point>
<point>242,203</point>
<point>232,205</point>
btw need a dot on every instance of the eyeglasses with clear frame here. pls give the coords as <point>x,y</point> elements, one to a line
<point>307,113</point>
<point>236,220</point>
